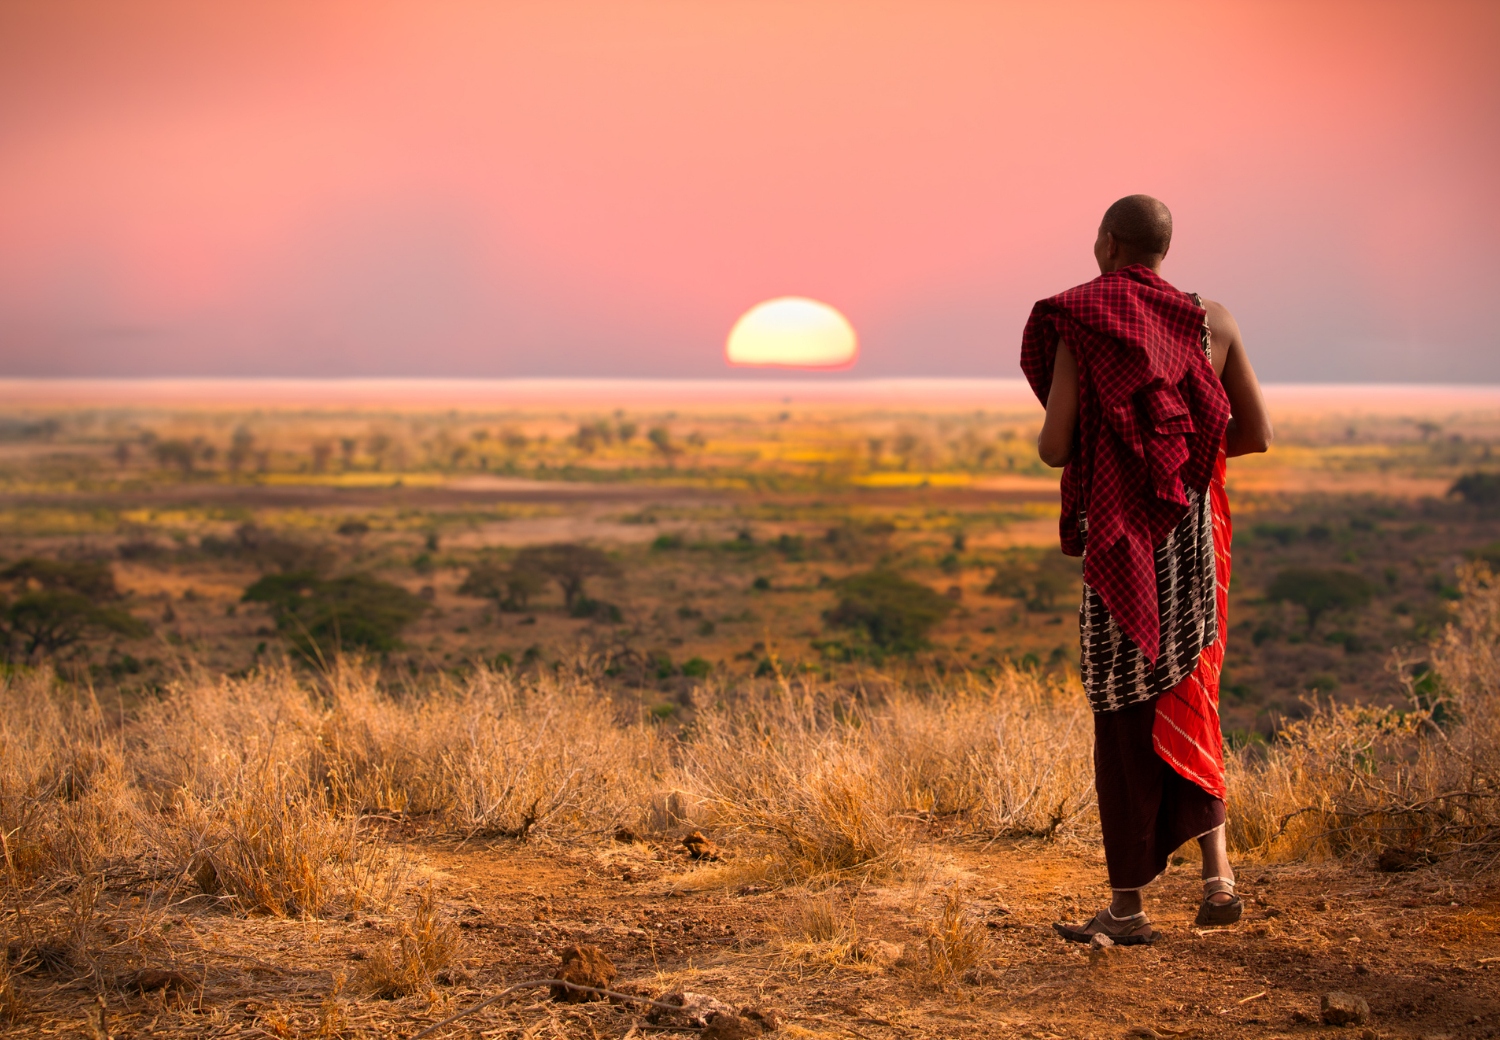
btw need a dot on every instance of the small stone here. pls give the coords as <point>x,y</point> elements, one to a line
<point>1100,941</point>
<point>731,1027</point>
<point>700,847</point>
<point>583,966</point>
<point>1344,1009</point>
<point>767,1019</point>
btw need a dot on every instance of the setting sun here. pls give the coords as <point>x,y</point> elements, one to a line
<point>792,332</point>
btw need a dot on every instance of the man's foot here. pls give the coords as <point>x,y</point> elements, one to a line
<point>1220,905</point>
<point>1134,930</point>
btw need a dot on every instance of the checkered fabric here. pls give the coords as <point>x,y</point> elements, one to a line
<point>1152,415</point>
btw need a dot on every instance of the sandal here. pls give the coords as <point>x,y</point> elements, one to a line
<point>1215,914</point>
<point>1134,930</point>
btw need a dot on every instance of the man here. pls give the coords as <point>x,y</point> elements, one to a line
<point>1148,390</point>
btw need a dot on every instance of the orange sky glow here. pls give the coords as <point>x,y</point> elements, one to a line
<point>602,188</point>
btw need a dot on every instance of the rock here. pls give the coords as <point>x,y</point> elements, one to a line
<point>691,1009</point>
<point>700,847</point>
<point>1397,861</point>
<point>1100,941</point>
<point>583,966</point>
<point>878,952</point>
<point>731,1027</point>
<point>767,1019</point>
<point>1344,1009</point>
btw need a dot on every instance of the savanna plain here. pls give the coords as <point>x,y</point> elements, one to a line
<point>762,716</point>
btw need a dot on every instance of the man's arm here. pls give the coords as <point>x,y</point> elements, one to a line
<point>1249,424</point>
<point>1055,443</point>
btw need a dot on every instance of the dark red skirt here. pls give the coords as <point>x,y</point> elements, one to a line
<point>1146,808</point>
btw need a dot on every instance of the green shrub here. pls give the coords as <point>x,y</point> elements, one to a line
<point>1036,579</point>
<point>321,617</point>
<point>1477,489</point>
<point>893,612</point>
<point>57,604</point>
<point>1317,591</point>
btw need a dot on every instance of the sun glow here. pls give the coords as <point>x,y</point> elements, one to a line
<point>792,332</point>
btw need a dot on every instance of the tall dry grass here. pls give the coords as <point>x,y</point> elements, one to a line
<point>262,792</point>
<point>1408,784</point>
<point>825,783</point>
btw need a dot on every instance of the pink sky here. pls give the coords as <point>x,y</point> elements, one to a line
<point>602,188</point>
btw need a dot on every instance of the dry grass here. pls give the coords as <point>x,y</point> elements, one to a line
<point>820,929</point>
<point>262,794</point>
<point>829,785</point>
<point>1406,785</point>
<point>427,945</point>
<point>955,942</point>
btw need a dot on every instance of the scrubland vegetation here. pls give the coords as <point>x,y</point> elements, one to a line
<point>224,709</point>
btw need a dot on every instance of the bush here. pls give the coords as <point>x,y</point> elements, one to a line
<point>567,564</point>
<point>510,587</point>
<point>267,551</point>
<point>1477,489</point>
<point>1036,579</point>
<point>57,604</point>
<point>894,613</point>
<point>323,617</point>
<point>1318,591</point>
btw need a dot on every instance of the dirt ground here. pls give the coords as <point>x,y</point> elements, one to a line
<point>1423,948</point>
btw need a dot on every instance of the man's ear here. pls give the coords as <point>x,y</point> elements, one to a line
<point>1111,245</point>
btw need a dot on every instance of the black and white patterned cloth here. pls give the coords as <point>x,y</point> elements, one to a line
<point>1115,673</point>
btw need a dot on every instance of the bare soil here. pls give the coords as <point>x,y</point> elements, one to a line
<point>1423,948</point>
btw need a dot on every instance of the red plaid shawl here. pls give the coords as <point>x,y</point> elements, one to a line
<point>1152,415</point>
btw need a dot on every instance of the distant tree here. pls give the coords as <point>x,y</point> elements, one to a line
<point>1036,579</point>
<point>893,612</point>
<point>510,587</point>
<point>626,431</point>
<point>240,445</point>
<point>1477,489</point>
<point>661,439</point>
<point>267,550</point>
<point>322,617</point>
<point>178,454</point>
<point>57,604</point>
<point>1318,591</point>
<point>568,564</point>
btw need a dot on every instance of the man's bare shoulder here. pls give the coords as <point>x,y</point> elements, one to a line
<point>1224,332</point>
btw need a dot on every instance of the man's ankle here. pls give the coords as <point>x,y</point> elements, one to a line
<point>1125,904</point>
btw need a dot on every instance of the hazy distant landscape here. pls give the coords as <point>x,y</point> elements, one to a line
<point>720,532</point>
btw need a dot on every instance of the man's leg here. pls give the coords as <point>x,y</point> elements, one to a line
<point>1128,779</point>
<point>1215,849</point>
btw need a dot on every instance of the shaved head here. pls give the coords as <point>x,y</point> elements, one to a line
<point>1140,222</point>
